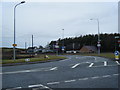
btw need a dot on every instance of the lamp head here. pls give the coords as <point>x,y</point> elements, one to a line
<point>23,2</point>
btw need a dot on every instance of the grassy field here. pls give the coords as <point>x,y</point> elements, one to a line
<point>37,58</point>
<point>107,55</point>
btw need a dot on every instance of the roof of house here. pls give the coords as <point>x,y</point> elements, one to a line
<point>31,47</point>
<point>93,48</point>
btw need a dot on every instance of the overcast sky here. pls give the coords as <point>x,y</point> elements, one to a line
<point>45,20</point>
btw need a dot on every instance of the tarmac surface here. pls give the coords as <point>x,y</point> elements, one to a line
<point>75,72</point>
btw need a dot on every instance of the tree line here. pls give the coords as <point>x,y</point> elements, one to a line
<point>108,42</point>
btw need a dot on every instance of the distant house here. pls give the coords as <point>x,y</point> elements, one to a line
<point>88,49</point>
<point>32,50</point>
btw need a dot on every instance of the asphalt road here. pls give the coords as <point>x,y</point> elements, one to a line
<point>74,72</point>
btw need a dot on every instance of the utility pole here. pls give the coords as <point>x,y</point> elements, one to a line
<point>73,46</point>
<point>32,46</point>
<point>25,47</point>
<point>63,48</point>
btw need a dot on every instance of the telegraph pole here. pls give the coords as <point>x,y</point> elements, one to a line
<point>25,47</point>
<point>73,46</point>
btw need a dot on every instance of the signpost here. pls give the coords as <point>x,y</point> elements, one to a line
<point>116,36</point>
<point>63,48</point>
<point>57,47</point>
<point>118,41</point>
<point>14,45</point>
<point>116,55</point>
<point>99,45</point>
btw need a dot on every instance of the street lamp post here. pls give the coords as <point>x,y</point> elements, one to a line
<point>14,45</point>
<point>98,43</point>
<point>63,41</point>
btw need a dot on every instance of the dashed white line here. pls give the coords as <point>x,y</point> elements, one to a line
<point>67,81</point>
<point>39,85</point>
<point>95,77</point>
<point>103,66</point>
<point>115,74</point>
<point>55,68</point>
<point>53,83</point>
<point>25,71</point>
<point>14,88</point>
<point>105,63</point>
<point>83,79</point>
<point>106,76</point>
<point>75,65</point>
<point>117,62</point>
<point>91,65</point>
<point>70,81</point>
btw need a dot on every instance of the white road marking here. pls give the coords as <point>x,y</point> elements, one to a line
<point>95,58</point>
<point>73,80</point>
<point>53,83</point>
<point>75,65</point>
<point>14,88</point>
<point>44,86</point>
<point>15,72</point>
<point>83,79</point>
<point>115,74</point>
<point>106,76</point>
<point>91,65</point>
<point>28,71</point>
<point>117,62</point>
<point>55,68</point>
<point>39,85</point>
<point>63,60</point>
<point>70,81</point>
<point>95,77</point>
<point>25,71</point>
<point>103,66</point>
<point>105,63</point>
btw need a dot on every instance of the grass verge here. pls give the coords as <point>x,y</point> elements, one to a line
<point>107,55</point>
<point>51,57</point>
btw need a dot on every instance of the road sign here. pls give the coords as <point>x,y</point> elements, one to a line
<point>14,44</point>
<point>63,48</point>
<point>56,46</point>
<point>116,53</point>
<point>99,45</point>
<point>116,36</point>
<point>98,42</point>
<point>118,41</point>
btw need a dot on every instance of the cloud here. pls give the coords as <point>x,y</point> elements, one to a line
<point>46,20</point>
